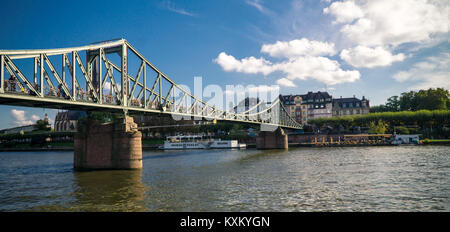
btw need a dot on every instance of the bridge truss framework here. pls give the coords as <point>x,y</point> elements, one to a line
<point>87,73</point>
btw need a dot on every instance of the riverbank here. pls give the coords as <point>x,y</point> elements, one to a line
<point>8,149</point>
<point>435,142</point>
<point>149,147</point>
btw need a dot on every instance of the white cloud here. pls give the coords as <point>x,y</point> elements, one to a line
<point>432,73</point>
<point>345,12</point>
<point>285,82</point>
<point>367,57</point>
<point>387,22</point>
<point>107,86</point>
<point>19,118</point>
<point>35,117</point>
<point>320,69</point>
<point>247,65</point>
<point>303,60</point>
<point>298,47</point>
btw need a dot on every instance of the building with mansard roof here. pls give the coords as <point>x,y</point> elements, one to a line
<point>350,106</point>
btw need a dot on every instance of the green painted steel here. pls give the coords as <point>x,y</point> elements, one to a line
<point>138,94</point>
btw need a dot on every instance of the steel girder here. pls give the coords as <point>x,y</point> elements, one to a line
<point>88,89</point>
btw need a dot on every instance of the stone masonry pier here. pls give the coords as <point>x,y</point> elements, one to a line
<point>114,145</point>
<point>272,140</point>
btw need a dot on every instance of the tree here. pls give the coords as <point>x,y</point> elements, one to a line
<point>42,125</point>
<point>408,101</point>
<point>431,99</point>
<point>393,104</point>
<point>377,109</point>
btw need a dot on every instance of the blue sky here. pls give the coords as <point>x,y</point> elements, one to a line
<point>346,47</point>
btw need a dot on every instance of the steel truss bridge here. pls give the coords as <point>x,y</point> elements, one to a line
<point>112,76</point>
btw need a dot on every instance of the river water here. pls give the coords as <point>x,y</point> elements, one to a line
<point>410,178</point>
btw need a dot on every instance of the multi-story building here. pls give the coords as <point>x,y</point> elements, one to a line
<point>308,106</point>
<point>319,105</point>
<point>350,106</point>
<point>295,108</point>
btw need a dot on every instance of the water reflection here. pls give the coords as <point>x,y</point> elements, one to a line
<point>117,190</point>
<point>303,179</point>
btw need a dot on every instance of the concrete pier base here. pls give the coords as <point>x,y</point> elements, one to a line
<point>114,145</point>
<point>272,140</point>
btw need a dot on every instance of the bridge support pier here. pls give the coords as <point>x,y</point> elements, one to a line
<point>272,139</point>
<point>114,145</point>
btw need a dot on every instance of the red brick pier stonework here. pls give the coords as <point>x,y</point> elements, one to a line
<point>108,146</point>
<point>272,140</point>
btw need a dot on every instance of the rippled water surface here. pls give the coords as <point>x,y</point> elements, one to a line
<point>303,179</point>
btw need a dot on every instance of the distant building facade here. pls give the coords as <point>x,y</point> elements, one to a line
<point>67,120</point>
<point>303,107</point>
<point>295,108</point>
<point>319,105</point>
<point>350,106</point>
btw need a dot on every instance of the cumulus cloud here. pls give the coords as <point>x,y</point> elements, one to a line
<point>303,62</point>
<point>321,69</point>
<point>19,118</point>
<point>431,73</point>
<point>345,12</point>
<point>298,47</point>
<point>387,22</point>
<point>35,117</point>
<point>285,82</point>
<point>367,57</point>
<point>246,65</point>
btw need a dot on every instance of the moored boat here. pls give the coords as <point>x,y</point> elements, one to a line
<point>183,142</point>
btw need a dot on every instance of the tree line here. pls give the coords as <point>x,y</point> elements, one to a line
<point>431,99</point>
<point>426,112</point>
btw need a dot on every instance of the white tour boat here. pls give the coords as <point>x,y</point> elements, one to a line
<point>182,142</point>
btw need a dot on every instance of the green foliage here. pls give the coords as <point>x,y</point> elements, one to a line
<point>42,125</point>
<point>425,121</point>
<point>378,128</point>
<point>401,130</point>
<point>393,104</point>
<point>431,99</point>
